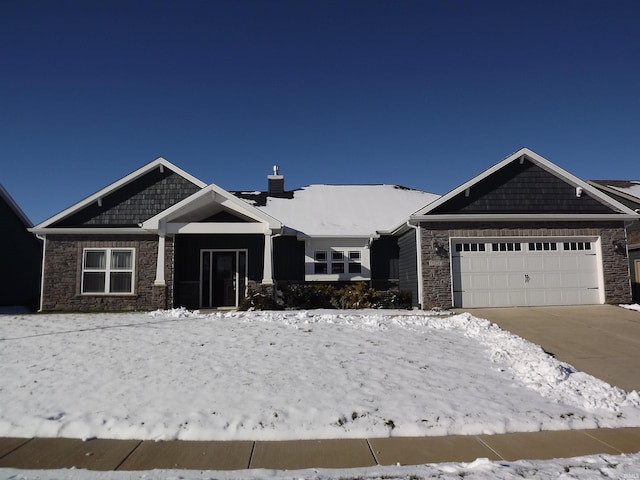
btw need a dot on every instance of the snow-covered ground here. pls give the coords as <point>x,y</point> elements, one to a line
<point>294,375</point>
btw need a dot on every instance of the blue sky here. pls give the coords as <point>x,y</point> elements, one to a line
<point>420,93</point>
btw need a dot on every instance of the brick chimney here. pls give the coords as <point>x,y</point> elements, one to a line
<point>275,182</point>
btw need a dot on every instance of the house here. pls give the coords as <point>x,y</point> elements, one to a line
<point>627,192</point>
<point>160,238</point>
<point>522,233</point>
<point>21,257</point>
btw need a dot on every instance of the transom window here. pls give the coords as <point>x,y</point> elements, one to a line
<point>470,247</point>
<point>107,270</point>
<point>577,245</point>
<point>506,247</point>
<point>542,246</point>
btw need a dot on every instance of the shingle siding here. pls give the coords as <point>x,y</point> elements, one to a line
<point>522,188</point>
<point>407,265</point>
<point>135,202</point>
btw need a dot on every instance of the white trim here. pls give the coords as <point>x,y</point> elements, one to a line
<point>497,217</point>
<point>89,230</point>
<point>159,280</point>
<point>217,227</point>
<point>267,264</point>
<point>44,254</point>
<point>542,163</point>
<point>157,163</point>
<point>212,194</point>
<point>614,190</point>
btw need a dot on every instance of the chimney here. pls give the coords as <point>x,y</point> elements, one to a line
<point>276,182</point>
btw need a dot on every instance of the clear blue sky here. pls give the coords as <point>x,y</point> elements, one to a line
<point>421,93</point>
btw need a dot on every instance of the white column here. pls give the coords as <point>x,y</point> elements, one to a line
<point>160,282</point>
<point>267,270</point>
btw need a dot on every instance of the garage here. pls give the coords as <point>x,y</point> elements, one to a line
<point>537,271</point>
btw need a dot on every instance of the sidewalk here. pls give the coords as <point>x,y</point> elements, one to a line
<point>43,453</point>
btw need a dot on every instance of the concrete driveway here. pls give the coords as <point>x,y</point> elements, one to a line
<point>603,340</point>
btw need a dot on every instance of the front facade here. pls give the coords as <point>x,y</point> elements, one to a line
<point>522,233</point>
<point>627,192</point>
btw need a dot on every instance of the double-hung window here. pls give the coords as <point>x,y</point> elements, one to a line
<point>107,270</point>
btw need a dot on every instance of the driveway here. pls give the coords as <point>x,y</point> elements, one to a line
<point>603,340</point>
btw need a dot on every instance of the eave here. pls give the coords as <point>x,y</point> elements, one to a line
<point>529,217</point>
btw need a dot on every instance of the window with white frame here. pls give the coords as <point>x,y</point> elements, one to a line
<point>355,262</point>
<point>107,270</point>
<point>320,263</point>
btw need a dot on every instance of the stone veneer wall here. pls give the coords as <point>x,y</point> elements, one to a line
<point>437,268</point>
<point>63,271</point>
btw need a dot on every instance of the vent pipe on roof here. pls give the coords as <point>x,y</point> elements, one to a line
<point>275,182</point>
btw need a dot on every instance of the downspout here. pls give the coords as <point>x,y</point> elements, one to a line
<point>44,249</point>
<point>418,261</point>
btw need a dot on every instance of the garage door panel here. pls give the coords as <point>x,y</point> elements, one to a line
<point>539,273</point>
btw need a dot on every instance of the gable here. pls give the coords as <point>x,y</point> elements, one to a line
<point>522,187</point>
<point>135,202</point>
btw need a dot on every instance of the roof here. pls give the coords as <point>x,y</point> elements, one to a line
<point>4,195</point>
<point>99,195</point>
<point>629,189</point>
<point>616,209</point>
<point>342,210</point>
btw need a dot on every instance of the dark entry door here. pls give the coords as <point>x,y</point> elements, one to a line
<point>222,278</point>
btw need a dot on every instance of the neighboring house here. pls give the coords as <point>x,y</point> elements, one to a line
<point>160,238</point>
<point>522,233</point>
<point>627,192</point>
<point>21,257</point>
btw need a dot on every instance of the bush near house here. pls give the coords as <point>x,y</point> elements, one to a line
<point>305,297</point>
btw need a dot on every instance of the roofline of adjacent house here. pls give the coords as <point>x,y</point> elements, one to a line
<point>158,162</point>
<point>613,190</point>
<point>15,207</point>
<point>542,163</point>
<point>506,217</point>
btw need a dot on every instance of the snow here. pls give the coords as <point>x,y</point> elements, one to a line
<point>347,210</point>
<point>297,375</point>
<point>630,187</point>
<point>634,306</point>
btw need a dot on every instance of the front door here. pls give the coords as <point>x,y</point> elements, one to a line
<point>222,278</point>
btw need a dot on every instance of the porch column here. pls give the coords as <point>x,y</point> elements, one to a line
<point>160,282</point>
<point>267,269</point>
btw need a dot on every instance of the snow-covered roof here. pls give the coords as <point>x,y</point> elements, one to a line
<point>629,188</point>
<point>345,210</point>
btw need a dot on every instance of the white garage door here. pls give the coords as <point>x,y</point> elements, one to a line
<point>524,272</point>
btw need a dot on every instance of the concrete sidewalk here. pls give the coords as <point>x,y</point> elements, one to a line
<point>42,453</point>
<point>602,340</point>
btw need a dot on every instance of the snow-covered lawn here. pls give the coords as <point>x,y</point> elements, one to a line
<point>287,375</point>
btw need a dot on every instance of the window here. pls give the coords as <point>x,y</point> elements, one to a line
<point>470,247</point>
<point>107,270</point>
<point>354,262</point>
<point>337,262</point>
<point>577,245</point>
<point>506,247</point>
<point>542,246</point>
<point>320,265</point>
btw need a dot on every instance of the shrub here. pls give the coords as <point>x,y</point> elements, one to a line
<point>259,298</point>
<point>308,296</point>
